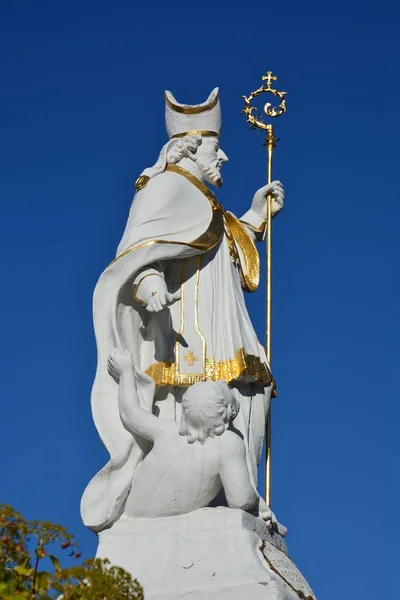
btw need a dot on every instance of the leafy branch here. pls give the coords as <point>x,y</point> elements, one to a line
<point>24,545</point>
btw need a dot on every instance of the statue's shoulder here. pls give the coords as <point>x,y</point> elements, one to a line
<point>167,192</point>
<point>231,445</point>
<point>169,184</point>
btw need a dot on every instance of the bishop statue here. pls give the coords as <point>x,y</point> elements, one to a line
<point>173,298</point>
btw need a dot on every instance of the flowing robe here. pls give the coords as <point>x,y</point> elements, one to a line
<point>176,230</point>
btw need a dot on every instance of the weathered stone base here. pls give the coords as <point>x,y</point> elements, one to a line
<point>213,553</point>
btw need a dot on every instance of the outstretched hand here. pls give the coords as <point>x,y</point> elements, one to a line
<point>159,300</point>
<point>260,199</point>
<point>119,361</point>
<point>266,514</point>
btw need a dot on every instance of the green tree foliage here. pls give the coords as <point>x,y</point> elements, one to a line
<point>29,571</point>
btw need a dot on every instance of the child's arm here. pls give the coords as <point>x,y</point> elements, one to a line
<point>235,479</point>
<point>234,473</point>
<point>134,418</point>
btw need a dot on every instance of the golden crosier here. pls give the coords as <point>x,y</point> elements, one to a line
<point>270,111</point>
<point>256,122</point>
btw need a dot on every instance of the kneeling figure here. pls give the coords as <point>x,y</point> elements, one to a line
<point>190,461</point>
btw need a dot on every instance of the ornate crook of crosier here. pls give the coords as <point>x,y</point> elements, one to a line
<point>256,120</point>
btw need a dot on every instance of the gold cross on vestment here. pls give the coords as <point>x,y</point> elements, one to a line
<point>190,358</point>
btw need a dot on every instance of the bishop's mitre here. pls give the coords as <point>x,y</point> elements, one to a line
<point>198,119</point>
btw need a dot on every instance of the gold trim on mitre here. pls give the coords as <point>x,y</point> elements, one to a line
<point>196,109</point>
<point>200,132</point>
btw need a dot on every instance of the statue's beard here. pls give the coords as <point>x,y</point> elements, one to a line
<point>210,171</point>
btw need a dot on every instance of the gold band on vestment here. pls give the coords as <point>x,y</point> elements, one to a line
<point>165,373</point>
<point>201,132</point>
<point>215,205</point>
<point>248,253</point>
<point>204,242</point>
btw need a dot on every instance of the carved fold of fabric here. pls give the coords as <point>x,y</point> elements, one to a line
<point>204,242</point>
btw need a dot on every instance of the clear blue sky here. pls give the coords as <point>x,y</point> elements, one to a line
<point>81,110</point>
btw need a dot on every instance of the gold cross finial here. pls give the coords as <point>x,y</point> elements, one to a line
<point>268,78</point>
<point>191,358</point>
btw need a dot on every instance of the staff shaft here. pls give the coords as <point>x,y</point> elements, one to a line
<point>270,144</point>
<point>256,121</point>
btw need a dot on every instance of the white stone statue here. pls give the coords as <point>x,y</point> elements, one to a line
<point>173,297</point>
<point>183,387</point>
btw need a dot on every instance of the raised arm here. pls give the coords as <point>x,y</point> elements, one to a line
<point>134,418</point>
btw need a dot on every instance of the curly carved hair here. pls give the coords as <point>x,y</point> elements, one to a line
<point>183,148</point>
<point>207,410</point>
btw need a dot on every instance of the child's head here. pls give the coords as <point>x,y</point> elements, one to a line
<point>207,410</point>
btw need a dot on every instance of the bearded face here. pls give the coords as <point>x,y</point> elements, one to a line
<point>209,158</point>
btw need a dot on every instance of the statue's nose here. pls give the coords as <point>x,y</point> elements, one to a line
<point>222,156</point>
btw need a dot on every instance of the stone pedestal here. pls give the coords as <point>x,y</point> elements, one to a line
<point>217,553</point>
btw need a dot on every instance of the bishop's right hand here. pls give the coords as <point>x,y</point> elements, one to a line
<point>160,299</point>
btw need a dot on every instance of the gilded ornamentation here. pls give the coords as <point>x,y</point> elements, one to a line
<point>215,205</point>
<point>204,242</point>
<point>165,373</point>
<point>256,120</point>
<point>196,308</point>
<point>141,182</point>
<point>177,344</point>
<point>201,132</point>
<point>231,243</point>
<point>190,358</point>
<point>251,271</point>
